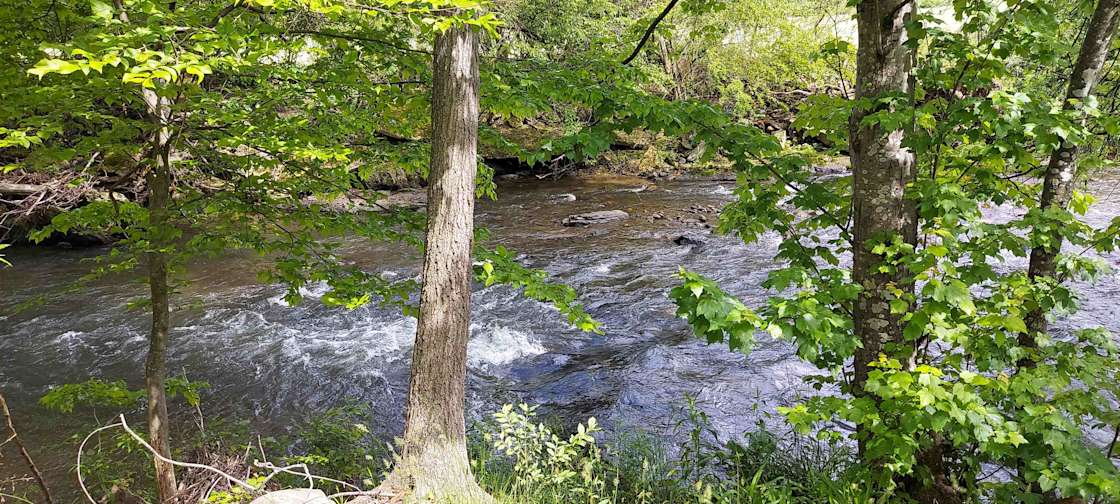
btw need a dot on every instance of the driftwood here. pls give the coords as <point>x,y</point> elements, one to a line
<point>26,204</point>
<point>14,437</point>
<point>7,188</point>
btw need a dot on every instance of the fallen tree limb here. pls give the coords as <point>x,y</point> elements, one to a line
<point>23,450</point>
<point>21,189</point>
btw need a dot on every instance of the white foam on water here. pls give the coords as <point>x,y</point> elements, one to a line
<point>68,337</point>
<point>379,341</point>
<point>495,345</point>
<point>314,290</point>
<point>372,344</point>
<point>723,190</point>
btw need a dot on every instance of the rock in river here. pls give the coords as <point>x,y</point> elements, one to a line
<point>685,240</point>
<point>562,197</point>
<point>589,218</point>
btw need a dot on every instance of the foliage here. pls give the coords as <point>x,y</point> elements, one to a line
<point>236,494</point>
<point>957,383</point>
<point>115,395</point>
<point>92,393</point>
<point>520,460</point>
<point>498,266</point>
<point>336,442</point>
<point>546,462</point>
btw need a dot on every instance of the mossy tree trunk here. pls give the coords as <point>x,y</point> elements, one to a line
<point>1058,182</point>
<point>881,169</point>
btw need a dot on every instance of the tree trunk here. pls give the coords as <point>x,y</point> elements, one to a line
<point>155,367</point>
<point>1057,185</point>
<point>881,169</point>
<point>433,464</point>
<point>1057,188</point>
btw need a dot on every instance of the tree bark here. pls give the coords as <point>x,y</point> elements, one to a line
<point>433,464</point>
<point>881,169</point>
<point>155,367</point>
<point>1057,187</point>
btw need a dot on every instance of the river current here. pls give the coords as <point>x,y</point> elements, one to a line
<point>278,364</point>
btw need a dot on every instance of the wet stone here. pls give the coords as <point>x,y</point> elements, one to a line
<point>599,217</point>
<point>560,198</point>
<point>686,239</point>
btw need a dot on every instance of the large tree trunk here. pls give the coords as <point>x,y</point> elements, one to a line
<point>155,367</point>
<point>1057,188</point>
<point>881,169</point>
<point>433,464</point>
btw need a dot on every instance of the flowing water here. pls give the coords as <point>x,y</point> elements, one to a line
<point>278,364</point>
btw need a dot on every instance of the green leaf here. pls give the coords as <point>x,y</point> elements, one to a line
<point>1014,324</point>
<point>101,10</point>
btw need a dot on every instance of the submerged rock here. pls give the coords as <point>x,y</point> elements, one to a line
<point>685,239</point>
<point>599,217</point>
<point>294,496</point>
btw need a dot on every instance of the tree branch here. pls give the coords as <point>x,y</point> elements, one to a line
<point>23,451</point>
<point>649,31</point>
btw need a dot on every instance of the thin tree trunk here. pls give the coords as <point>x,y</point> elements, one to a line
<point>155,367</point>
<point>1057,187</point>
<point>433,463</point>
<point>14,437</point>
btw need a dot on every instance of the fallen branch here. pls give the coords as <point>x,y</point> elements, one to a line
<point>23,450</point>
<point>24,190</point>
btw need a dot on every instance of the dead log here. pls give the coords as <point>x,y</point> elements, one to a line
<point>23,190</point>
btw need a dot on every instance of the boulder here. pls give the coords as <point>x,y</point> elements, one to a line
<point>599,217</point>
<point>294,496</point>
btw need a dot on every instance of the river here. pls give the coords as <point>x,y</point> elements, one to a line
<point>278,364</point>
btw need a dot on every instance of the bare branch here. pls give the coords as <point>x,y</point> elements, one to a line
<point>649,31</point>
<point>23,450</point>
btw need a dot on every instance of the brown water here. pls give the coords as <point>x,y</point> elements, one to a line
<point>276,363</point>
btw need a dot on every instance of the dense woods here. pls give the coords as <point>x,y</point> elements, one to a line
<point>906,218</point>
